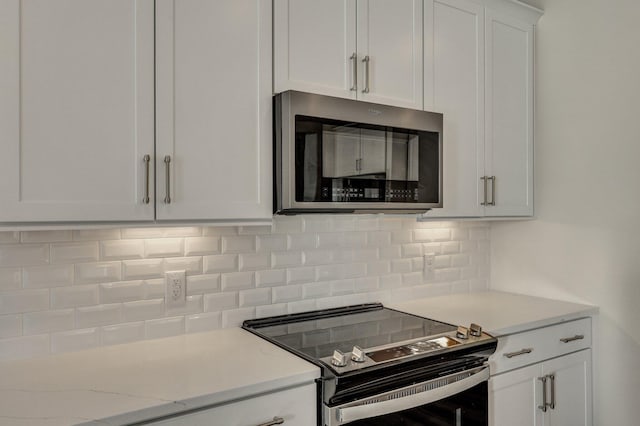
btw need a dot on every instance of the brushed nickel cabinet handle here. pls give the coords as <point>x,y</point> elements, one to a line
<point>366,61</point>
<point>520,352</point>
<point>493,191</point>
<point>571,339</point>
<point>484,184</point>
<point>552,379</point>
<point>543,407</point>
<point>275,421</point>
<point>167,163</point>
<point>354,75</point>
<point>146,159</point>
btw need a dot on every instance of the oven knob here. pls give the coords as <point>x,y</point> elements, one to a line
<point>475,330</point>
<point>462,333</point>
<point>357,354</point>
<point>339,359</point>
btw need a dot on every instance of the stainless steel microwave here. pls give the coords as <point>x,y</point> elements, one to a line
<point>336,155</point>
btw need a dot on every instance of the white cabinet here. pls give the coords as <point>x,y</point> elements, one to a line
<point>213,88</point>
<point>77,110</point>
<point>543,377</point>
<point>295,407</point>
<point>479,73</point>
<point>360,49</point>
<point>77,136</point>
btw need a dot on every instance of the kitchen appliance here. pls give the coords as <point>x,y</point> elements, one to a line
<point>346,156</point>
<point>385,367</point>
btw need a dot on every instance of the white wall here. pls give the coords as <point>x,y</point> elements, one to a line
<point>585,244</point>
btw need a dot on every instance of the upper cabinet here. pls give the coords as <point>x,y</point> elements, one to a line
<point>78,138</point>
<point>213,97</point>
<point>76,111</point>
<point>366,49</point>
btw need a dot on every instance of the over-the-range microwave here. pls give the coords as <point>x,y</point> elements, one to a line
<point>336,155</point>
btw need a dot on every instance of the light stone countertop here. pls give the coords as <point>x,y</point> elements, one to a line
<point>498,313</point>
<point>132,382</point>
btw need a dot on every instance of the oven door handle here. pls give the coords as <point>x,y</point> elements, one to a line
<point>391,403</point>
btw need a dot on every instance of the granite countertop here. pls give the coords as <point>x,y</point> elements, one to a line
<point>136,381</point>
<point>498,313</point>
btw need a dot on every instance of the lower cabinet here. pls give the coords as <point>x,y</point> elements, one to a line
<point>551,392</point>
<point>291,407</point>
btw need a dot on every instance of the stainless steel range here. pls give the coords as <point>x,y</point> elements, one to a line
<point>385,367</point>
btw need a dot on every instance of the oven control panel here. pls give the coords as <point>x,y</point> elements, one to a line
<point>415,348</point>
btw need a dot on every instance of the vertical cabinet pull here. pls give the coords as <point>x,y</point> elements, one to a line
<point>167,163</point>
<point>484,184</point>
<point>552,381</point>
<point>493,190</point>
<point>354,75</point>
<point>146,159</point>
<point>543,407</point>
<point>275,421</point>
<point>366,61</point>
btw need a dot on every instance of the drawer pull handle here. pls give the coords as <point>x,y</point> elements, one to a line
<point>521,352</point>
<point>275,421</point>
<point>571,339</point>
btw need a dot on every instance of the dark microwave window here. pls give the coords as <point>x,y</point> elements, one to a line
<point>339,161</point>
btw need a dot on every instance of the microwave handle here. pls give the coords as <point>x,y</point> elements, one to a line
<point>348,414</point>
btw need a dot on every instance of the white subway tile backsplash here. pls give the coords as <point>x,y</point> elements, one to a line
<point>74,252</point>
<point>122,333</point>
<point>71,297</point>
<point>47,276</point>
<point>10,279</point>
<point>98,272</point>
<point>24,301</point>
<point>121,249</point>
<point>24,254</point>
<point>142,269</point>
<point>93,316</point>
<point>48,321</point>
<point>69,290</point>
<point>220,263</point>
<point>123,291</point>
<point>164,327</point>
<point>10,326</point>
<point>164,247</point>
<point>75,340</point>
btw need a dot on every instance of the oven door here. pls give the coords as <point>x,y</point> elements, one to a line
<point>459,399</point>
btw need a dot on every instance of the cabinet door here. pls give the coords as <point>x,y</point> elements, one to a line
<point>214,111</point>
<point>295,406</point>
<point>572,385</point>
<point>454,85</point>
<point>509,115</point>
<point>313,43</point>
<point>76,111</point>
<point>514,398</point>
<point>390,35</point>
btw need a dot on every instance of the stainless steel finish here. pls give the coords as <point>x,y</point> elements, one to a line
<point>493,191</point>
<point>520,352</point>
<point>406,398</point>
<point>543,407</point>
<point>571,339</point>
<point>366,61</point>
<point>292,103</point>
<point>358,355</point>
<point>354,76</point>
<point>475,330</point>
<point>552,380</point>
<point>462,333</point>
<point>275,421</point>
<point>339,359</point>
<point>147,160</point>
<point>167,164</point>
<point>484,183</point>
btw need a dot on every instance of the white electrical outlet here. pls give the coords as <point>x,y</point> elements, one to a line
<point>176,289</point>
<point>429,260</point>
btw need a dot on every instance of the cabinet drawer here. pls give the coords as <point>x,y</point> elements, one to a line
<point>528,347</point>
<point>296,406</point>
